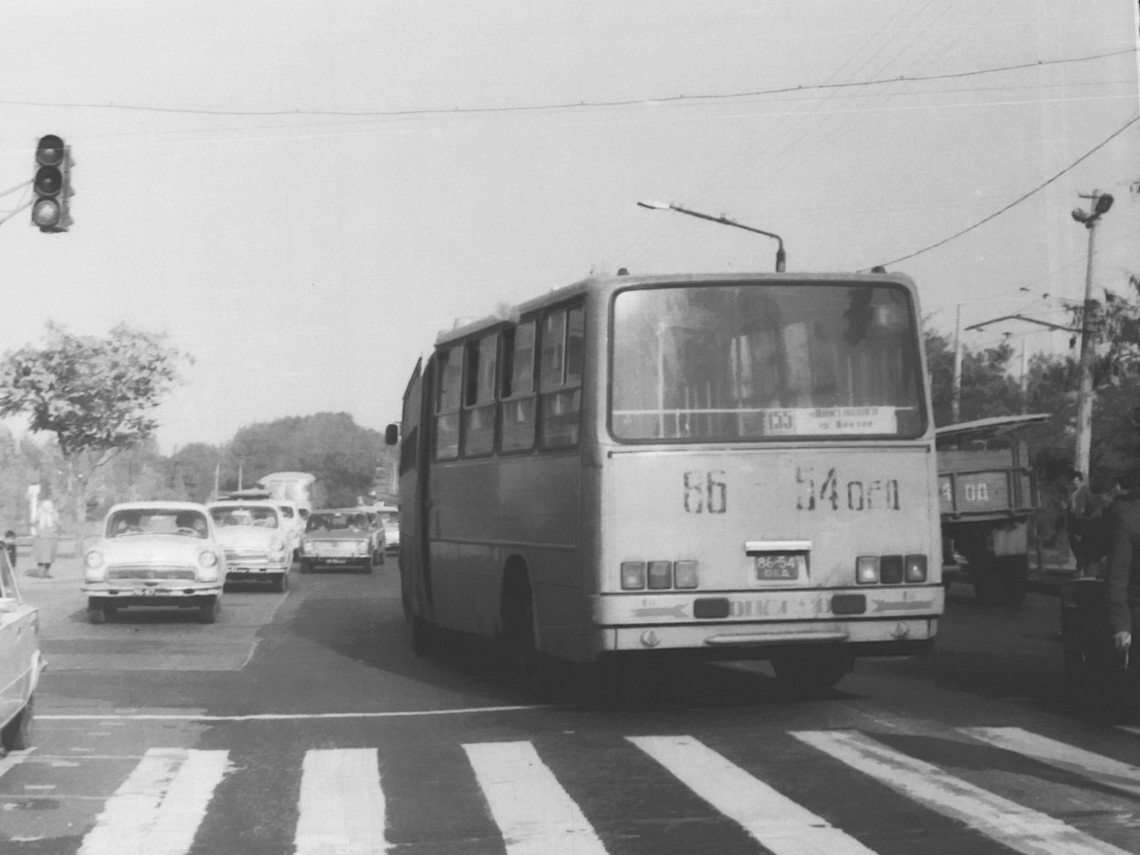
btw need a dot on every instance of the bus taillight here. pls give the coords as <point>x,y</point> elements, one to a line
<point>685,574</point>
<point>632,575</point>
<point>867,569</point>
<point>658,575</point>
<point>890,569</point>
<point>915,568</point>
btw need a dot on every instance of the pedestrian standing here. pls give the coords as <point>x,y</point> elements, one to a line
<point>1123,571</point>
<point>46,542</point>
<point>10,547</point>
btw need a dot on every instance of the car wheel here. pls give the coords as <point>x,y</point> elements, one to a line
<point>96,614</point>
<point>306,566</point>
<point>281,583</point>
<point>366,565</point>
<point>208,611</point>
<point>16,735</point>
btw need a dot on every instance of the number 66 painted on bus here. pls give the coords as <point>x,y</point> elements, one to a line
<point>712,466</point>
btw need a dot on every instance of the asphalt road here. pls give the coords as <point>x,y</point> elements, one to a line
<point>302,722</point>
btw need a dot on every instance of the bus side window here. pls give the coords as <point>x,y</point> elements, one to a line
<point>560,386</point>
<point>516,405</point>
<point>449,372</point>
<point>479,397</point>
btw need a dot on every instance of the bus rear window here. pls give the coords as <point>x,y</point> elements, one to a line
<point>765,361</point>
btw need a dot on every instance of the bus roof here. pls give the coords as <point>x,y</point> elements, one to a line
<point>511,314</point>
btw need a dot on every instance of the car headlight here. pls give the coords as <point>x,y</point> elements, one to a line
<point>93,563</point>
<point>208,558</point>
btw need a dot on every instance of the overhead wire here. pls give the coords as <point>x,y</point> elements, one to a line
<point>836,120</point>
<point>565,105</point>
<point>1020,198</point>
<point>776,141</point>
<point>789,123</point>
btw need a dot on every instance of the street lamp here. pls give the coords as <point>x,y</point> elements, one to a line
<point>1101,204</point>
<point>668,206</point>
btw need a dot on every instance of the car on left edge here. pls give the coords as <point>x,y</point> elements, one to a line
<point>20,661</point>
<point>155,554</point>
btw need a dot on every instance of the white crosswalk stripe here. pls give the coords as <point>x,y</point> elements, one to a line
<point>1020,828</point>
<point>535,815</point>
<point>342,808</point>
<point>1094,767</point>
<point>779,823</point>
<point>162,804</point>
<point>158,808</point>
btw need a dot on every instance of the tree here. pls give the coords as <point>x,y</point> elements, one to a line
<point>191,470</point>
<point>987,389</point>
<point>96,395</point>
<point>342,454</point>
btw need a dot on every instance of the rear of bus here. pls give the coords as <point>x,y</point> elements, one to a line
<point>766,483</point>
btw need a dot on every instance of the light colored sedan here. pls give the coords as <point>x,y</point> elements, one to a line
<point>256,541</point>
<point>342,537</point>
<point>155,554</point>
<point>20,661</point>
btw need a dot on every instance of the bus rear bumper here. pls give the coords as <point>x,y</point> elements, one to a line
<point>747,641</point>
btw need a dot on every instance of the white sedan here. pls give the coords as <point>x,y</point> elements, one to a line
<point>155,554</point>
<point>256,541</point>
<point>20,661</point>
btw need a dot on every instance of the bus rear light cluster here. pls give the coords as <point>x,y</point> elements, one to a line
<point>658,575</point>
<point>890,569</point>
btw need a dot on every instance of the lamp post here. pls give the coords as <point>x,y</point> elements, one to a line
<point>1101,202</point>
<point>724,221</point>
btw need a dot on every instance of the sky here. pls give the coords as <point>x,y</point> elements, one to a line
<point>302,193</point>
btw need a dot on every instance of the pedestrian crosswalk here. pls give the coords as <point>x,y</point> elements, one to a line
<point>343,804</point>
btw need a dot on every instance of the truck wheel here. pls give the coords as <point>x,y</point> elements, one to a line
<point>1002,581</point>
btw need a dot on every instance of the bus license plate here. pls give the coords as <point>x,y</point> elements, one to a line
<point>778,567</point>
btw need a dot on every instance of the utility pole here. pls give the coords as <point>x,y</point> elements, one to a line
<point>956,387</point>
<point>1101,202</point>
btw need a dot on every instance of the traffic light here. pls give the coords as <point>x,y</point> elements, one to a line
<point>52,185</point>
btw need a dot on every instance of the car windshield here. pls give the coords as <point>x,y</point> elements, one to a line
<point>136,521</point>
<point>226,516</point>
<point>341,521</point>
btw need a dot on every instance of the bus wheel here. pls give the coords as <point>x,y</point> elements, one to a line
<point>812,673</point>
<point>422,636</point>
<point>524,659</point>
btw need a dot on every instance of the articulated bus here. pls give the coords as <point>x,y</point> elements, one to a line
<point>721,467</point>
